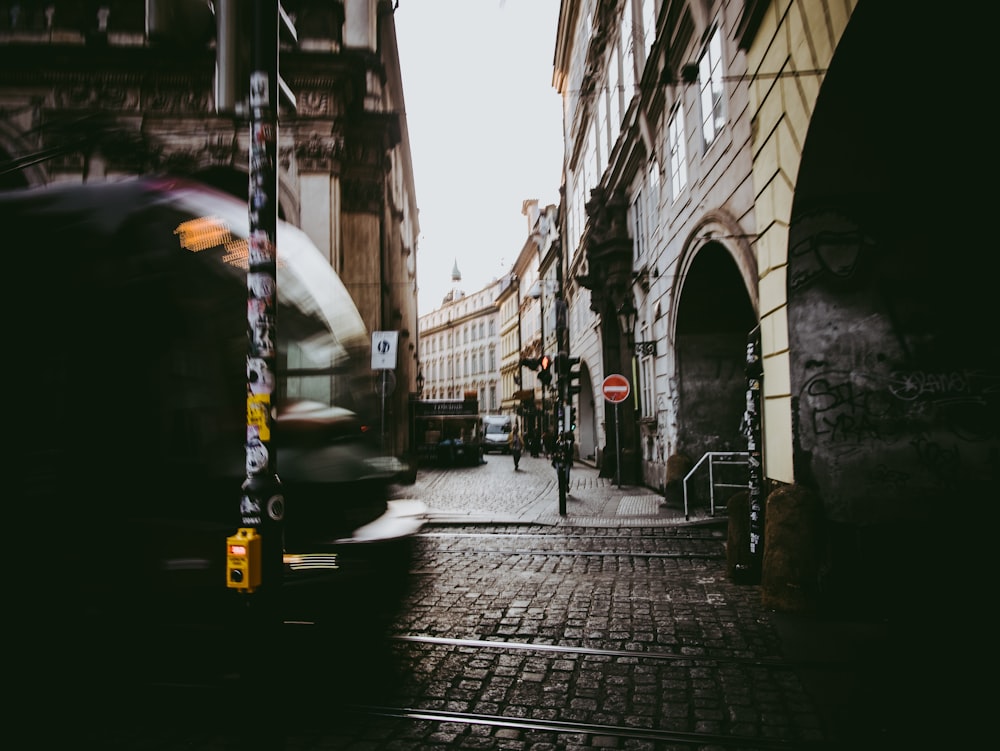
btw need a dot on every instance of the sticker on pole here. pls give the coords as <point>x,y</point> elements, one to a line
<point>615,388</point>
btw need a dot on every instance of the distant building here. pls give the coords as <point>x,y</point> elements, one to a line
<point>459,344</point>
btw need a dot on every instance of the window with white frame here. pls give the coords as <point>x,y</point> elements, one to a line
<point>646,375</point>
<point>677,151</point>
<point>648,28</point>
<point>639,226</point>
<point>608,128</point>
<point>593,156</point>
<point>615,85</point>
<point>653,200</point>
<point>628,52</point>
<point>710,70</point>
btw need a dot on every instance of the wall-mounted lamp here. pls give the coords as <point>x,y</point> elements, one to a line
<point>626,319</point>
<point>420,382</point>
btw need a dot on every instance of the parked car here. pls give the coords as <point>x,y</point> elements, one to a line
<point>496,434</point>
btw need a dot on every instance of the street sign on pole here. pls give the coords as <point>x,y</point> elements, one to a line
<point>384,347</point>
<point>615,388</point>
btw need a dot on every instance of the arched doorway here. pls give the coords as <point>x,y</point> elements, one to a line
<point>714,315</point>
<point>587,429</point>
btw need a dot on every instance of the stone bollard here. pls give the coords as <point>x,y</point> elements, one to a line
<point>793,550</point>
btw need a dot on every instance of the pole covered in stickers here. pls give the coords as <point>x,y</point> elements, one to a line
<point>754,431</point>
<point>262,505</point>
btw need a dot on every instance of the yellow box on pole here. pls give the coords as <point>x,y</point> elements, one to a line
<point>243,560</point>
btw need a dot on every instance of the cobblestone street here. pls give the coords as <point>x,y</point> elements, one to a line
<point>614,626</point>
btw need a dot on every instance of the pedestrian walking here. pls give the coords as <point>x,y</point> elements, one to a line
<point>516,445</point>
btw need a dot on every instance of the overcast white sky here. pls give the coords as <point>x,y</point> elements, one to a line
<point>485,131</point>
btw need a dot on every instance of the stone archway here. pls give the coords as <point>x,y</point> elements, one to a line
<point>712,317</point>
<point>892,379</point>
<point>892,376</point>
<point>587,429</point>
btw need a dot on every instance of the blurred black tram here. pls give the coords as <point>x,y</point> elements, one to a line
<point>127,375</point>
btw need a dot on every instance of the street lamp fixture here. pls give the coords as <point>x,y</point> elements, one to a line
<point>626,319</point>
<point>420,382</point>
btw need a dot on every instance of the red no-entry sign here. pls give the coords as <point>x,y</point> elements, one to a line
<point>615,388</point>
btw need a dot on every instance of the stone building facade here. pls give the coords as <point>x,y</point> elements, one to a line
<point>93,92</point>
<point>460,348</point>
<point>756,181</point>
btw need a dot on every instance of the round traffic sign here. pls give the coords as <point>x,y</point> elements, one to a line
<point>615,388</point>
<point>385,383</point>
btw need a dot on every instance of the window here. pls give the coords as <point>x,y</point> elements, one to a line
<point>615,82</point>
<point>713,116</point>
<point>628,62</point>
<point>646,367</point>
<point>678,155</point>
<point>653,200</point>
<point>648,28</point>
<point>639,226</point>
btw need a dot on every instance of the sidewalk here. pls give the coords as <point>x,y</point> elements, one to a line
<point>592,501</point>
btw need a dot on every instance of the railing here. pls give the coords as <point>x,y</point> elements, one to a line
<point>717,459</point>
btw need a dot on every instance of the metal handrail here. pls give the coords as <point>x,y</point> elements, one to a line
<point>725,459</point>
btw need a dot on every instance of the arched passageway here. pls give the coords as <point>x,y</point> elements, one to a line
<point>894,368</point>
<point>714,316</point>
<point>587,429</point>
<point>894,376</point>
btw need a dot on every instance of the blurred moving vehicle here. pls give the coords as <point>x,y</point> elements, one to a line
<point>496,433</point>
<point>129,424</point>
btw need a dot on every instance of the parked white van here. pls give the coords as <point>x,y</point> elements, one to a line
<point>496,433</point>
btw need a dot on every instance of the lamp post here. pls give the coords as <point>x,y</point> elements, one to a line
<point>420,381</point>
<point>627,314</point>
<point>626,319</point>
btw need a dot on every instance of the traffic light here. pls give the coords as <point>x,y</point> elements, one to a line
<point>529,362</point>
<point>572,377</point>
<point>572,419</point>
<point>545,370</point>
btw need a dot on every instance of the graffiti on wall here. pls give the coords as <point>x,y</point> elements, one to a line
<point>888,413</point>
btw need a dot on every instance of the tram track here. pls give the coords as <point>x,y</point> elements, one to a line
<point>599,545</point>
<point>606,733</point>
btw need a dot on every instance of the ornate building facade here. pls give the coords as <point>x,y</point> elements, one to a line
<point>460,342</point>
<point>92,92</point>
